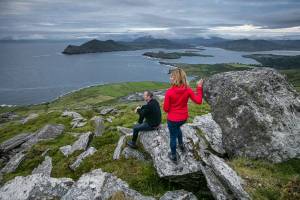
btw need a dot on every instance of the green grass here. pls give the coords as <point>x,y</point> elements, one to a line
<point>268,181</point>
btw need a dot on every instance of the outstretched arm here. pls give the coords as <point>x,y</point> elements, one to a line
<point>196,97</point>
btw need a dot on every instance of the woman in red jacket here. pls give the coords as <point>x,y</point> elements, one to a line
<point>176,107</point>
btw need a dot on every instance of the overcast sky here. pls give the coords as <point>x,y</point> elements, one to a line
<point>104,19</point>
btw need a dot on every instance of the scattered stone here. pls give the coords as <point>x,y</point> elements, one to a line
<point>178,195</point>
<point>7,116</point>
<point>107,110</point>
<point>13,163</point>
<point>35,186</point>
<point>99,125</point>
<point>139,96</point>
<point>101,185</point>
<point>49,131</point>
<point>133,153</point>
<point>212,131</point>
<point>78,120</point>
<point>31,116</point>
<point>44,168</point>
<point>14,142</point>
<point>109,119</point>
<point>81,157</point>
<point>80,144</point>
<point>118,149</point>
<point>258,111</point>
<point>45,152</point>
<point>124,131</point>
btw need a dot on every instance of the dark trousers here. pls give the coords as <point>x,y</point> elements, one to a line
<point>175,133</point>
<point>140,127</point>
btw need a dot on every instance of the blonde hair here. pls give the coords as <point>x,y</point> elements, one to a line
<point>179,77</point>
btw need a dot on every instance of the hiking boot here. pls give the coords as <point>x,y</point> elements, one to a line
<point>132,144</point>
<point>172,157</point>
<point>182,148</point>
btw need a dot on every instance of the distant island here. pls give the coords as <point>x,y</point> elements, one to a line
<point>257,45</point>
<point>276,61</point>
<point>95,46</point>
<point>148,42</point>
<point>173,55</point>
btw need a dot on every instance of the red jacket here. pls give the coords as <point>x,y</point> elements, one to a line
<point>176,100</point>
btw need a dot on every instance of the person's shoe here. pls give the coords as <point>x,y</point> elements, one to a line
<point>182,148</point>
<point>172,157</point>
<point>132,144</point>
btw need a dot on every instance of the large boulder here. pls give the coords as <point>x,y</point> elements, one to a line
<point>258,112</point>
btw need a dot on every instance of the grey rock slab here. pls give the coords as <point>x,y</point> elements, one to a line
<point>13,163</point>
<point>228,176</point>
<point>132,153</point>
<point>90,151</point>
<point>14,142</point>
<point>101,185</point>
<point>80,144</point>
<point>188,168</point>
<point>44,168</point>
<point>36,186</point>
<point>118,148</point>
<point>99,125</point>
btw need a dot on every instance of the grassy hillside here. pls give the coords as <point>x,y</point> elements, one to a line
<point>263,180</point>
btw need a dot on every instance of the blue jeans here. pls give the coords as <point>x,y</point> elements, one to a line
<point>175,133</point>
<point>140,127</point>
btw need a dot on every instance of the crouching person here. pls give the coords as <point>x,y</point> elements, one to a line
<point>149,117</point>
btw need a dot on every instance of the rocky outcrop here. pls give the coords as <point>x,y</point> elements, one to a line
<point>101,185</point>
<point>178,195</point>
<point>99,125</point>
<point>90,151</point>
<point>133,153</point>
<point>80,144</point>
<point>44,168</point>
<point>194,164</point>
<point>31,116</point>
<point>77,121</point>
<point>258,112</point>
<point>212,131</point>
<point>36,186</point>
